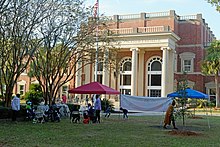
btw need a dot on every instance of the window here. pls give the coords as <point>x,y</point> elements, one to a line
<point>125,79</point>
<point>21,89</point>
<point>100,66</point>
<point>127,66</point>
<point>99,78</point>
<point>155,80</point>
<point>154,77</point>
<point>187,65</point>
<point>187,61</point>
<point>64,89</point>
<point>212,94</point>
<point>125,91</point>
<point>154,92</point>
<point>100,72</point>
<point>125,76</point>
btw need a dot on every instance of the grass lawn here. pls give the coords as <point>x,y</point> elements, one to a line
<point>137,131</point>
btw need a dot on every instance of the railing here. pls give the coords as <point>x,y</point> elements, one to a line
<point>153,29</point>
<point>141,30</point>
<point>188,17</point>
<point>122,31</point>
<point>158,14</point>
<point>130,16</point>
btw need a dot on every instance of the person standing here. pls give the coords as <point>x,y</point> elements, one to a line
<point>15,104</point>
<point>64,99</point>
<point>169,117</point>
<point>87,100</point>
<point>98,108</point>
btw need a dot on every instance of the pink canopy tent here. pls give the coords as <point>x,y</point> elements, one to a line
<point>94,88</point>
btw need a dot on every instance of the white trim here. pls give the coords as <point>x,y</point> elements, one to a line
<point>187,56</point>
<point>149,61</point>
<point>35,82</point>
<point>22,82</point>
<point>124,73</point>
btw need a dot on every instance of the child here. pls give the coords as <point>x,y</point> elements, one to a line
<point>108,111</point>
<point>29,110</point>
<point>125,112</point>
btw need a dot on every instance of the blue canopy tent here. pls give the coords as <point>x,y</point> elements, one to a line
<point>189,93</point>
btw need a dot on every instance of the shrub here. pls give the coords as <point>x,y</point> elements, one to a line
<point>6,112</point>
<point>35,94</point>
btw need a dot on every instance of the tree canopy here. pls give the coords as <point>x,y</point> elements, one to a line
<point>211,65</point>
<point>215,3</point>
<point>50,37</point>
<point>18,39</point>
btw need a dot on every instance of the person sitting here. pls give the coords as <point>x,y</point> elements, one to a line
<point>169,117</point>
<point>86,118</point>
<point>40,112</point>
<point>29,110</point>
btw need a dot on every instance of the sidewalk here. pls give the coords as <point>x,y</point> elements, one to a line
<point>152,113</point>
<point>147,113</point>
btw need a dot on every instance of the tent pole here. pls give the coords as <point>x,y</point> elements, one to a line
<point>207,116</point>
<point>119,106</point>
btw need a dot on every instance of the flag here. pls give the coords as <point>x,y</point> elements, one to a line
<point>95,8</point>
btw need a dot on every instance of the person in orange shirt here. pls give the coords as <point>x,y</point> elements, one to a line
<point>169,117</point>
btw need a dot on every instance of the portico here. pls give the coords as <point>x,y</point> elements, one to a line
<point>140,44</point>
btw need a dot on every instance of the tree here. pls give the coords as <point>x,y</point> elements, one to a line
<point>182,84</point>
<point>215,3</point>
<point>211,65</point>
<point>18,39</point>
<point>68,45</point>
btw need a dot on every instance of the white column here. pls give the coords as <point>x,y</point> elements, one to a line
<point>171,71</point>
<point>164,81</point>
<point>134,71</point>
<point>140,78</point>
<point>105,74</point>
<point>87,73</point>
<point>78,74</point>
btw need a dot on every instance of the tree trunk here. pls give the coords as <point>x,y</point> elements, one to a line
<point>217,91</point>
<point>8,97</point>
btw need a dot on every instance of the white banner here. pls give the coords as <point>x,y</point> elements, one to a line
<point>138,103</point>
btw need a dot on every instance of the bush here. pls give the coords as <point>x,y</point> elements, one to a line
<point>2,103</point>
<point>35,94</point>
<point>6,112</point>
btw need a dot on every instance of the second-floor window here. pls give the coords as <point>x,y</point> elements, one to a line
<point>187,61</point>
<point>187,65</point>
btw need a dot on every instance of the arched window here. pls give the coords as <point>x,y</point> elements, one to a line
<point>154,77</point>
<point>125,76</point>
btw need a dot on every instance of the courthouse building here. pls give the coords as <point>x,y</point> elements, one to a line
<point>155,49</point>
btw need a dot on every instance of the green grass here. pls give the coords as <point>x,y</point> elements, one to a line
<point>137,131</point>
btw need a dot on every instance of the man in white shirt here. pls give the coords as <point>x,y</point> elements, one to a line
<point>98,108</point>
<point>15,104</point>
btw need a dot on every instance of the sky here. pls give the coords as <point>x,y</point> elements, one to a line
<point>181,7</point>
